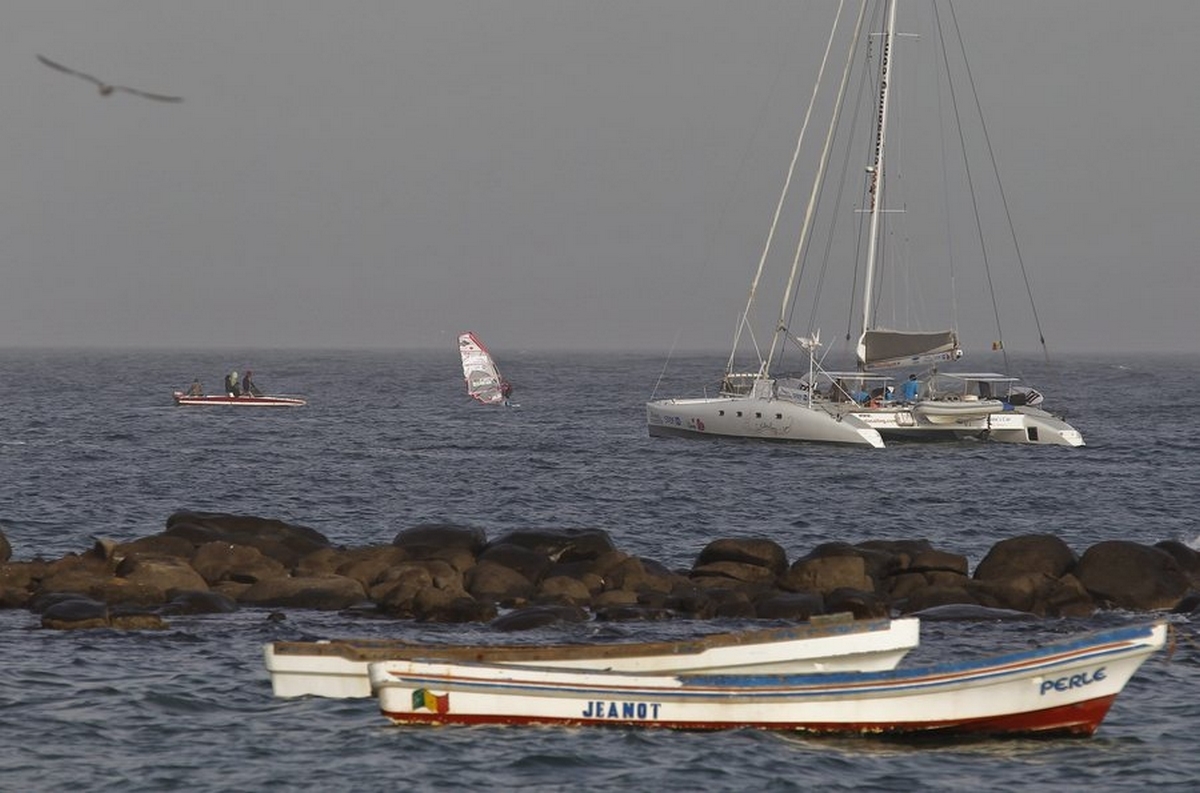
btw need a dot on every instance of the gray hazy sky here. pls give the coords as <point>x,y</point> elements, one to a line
<point>548,173</point>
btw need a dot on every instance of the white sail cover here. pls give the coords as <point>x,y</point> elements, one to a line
<point>484,381</point>
<point>881,349</point>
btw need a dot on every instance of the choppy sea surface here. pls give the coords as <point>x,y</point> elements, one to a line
<point>92,446</point>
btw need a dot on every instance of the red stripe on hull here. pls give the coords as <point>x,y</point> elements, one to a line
<point>1079,719</point>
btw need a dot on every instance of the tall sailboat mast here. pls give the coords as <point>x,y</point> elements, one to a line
<point>875,192</point>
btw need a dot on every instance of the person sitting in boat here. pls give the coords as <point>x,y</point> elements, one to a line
<point>248,386</point>
<point>231,384</point>
<point>195,389</point>
<point>912,388</point>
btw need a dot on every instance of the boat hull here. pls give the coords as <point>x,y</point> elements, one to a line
<point>758,418</point>
<point>1024,425</point>
<point>1065,688</point>
<point>339,669</point>
<point>237,401</point>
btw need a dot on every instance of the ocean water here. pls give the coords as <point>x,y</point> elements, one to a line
<point>91,446</point>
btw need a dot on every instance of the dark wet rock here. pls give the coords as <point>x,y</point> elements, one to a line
<point>369,566</point>
<point>161,544</point>
<point>756,551</point>
<point>744,572</point>
<point>565,589</point>
<point>222,561</point>
<point>1042,554</point>
<point>614,597</point>
<point>325,593</point>
<point>934,561</point>
<point>495,582</point>
<point>163,573</point>
<point>285,542</point>
<point>532,617</point>
<point>431,537</point>
<point>75,613</point>
<point>963,612</point>
<point>5,548</point>
<point>562,545</point>
<point>932,596</point>
<point>789,606</point>
<point>532,564</point>
<point>1187,558</point>
<point>862,604</point>
<point>462,609</point>
<point>126,619</point>
<point>1132,576</point>
<point>206,602</point>
<point>827,573</point>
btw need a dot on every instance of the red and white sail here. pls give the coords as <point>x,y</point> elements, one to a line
<point>484,381</point>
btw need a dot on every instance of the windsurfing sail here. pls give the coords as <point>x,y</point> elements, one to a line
<point>484,381</point>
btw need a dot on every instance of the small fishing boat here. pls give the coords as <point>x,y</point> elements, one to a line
<point>1063,688</point>
<point>339,668</point>
<point>242,400</point>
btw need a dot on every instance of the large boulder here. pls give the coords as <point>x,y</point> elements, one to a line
<point>1132,576</point>
<point>756,551</point>
<point>561,545</point>
<point>326,593</point>
<point>285,542</point>
<point>1042,554</point>
<point>428,538</point>
<point>827,573</point>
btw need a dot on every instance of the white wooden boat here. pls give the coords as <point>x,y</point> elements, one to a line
<point>339,668</point>
<point>243,400</point>
<point>1061,688</point>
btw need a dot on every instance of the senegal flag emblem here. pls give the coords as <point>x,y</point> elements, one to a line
<point>424,698</point>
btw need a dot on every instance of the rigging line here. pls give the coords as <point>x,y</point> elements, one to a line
<point>842,181</point>
<point>1000,185</point>
<point>819,179</point>
<point>970,182</point>
<point>765,365</point>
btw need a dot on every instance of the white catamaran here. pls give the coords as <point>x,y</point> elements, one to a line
<point>484,381</point>
<point>866,405</point>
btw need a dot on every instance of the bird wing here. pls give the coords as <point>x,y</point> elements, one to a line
<point>64,69</point>
<point>147,95</point>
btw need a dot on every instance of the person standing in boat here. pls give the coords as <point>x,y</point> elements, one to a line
<point>231,384</point>
<point>912,388</point>
<point>248,386</point>
<point>195,389</point>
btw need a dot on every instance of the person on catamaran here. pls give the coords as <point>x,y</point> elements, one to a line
<point>231,384</point>
<point>195,389</point>
<point>912,388</point>
<point>248,386</point>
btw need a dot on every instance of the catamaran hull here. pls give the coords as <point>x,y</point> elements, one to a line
<point>1066,688</point>
<point>755,418</point>
<point>339,669</point>
<point>1024,425</point>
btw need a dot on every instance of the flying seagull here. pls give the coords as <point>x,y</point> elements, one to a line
<point>106,89</point>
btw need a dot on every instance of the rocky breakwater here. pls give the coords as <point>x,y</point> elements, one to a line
<point>215,562</point>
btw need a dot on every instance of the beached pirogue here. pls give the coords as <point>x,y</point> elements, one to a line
<point>1062,688</point>
<point>339,668</point>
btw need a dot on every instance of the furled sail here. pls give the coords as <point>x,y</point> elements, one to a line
<point>882,349</point>
<point>484,381</point>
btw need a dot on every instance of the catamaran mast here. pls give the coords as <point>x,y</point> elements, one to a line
<point>875,191</point>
